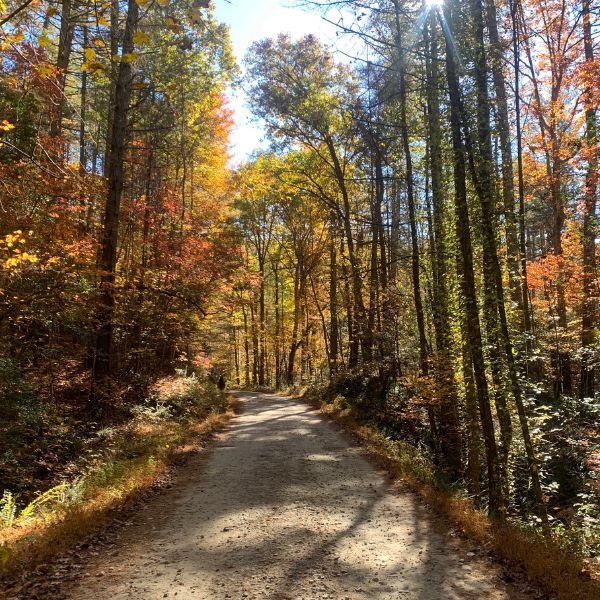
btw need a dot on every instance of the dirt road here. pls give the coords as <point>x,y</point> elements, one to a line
<point>284,508</point>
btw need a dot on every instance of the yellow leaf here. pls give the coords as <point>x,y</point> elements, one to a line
<point>194,15</point>
<point>103,21</point>
<point>172,24</point>
<point>93,66</point>
<point>141,39</point>
<point>6,126</point>
<point>45,70</point>
<point>129,57</point>
<point>89,54</point>
<point>44,41</point>
<point>163,2</point>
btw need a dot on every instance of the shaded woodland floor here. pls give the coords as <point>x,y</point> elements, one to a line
<point>284,507</point>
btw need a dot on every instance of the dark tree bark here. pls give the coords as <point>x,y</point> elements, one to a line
<point>493,289</point>
<point>65,43</point>
<point>486,197</point>
<point>527,330</point>
<point>295,341</point>
<point>410,198</point>
<point>110,233</point>
<point>277,341</point>
<point>246,346</point>
<point>508,184</point>
<point>361,334</point>
<point>495,495</point>
<point>254,333</point>
<point>450,425</point>
<point>590,283</point>
<point>333,301</point>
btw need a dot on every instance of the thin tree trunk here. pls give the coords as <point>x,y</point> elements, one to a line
<point>451,442</point>
<point>361,334</point>
<point>254,333</point>
<point>527,330</point>
<point>294,342</point>
<point>82,132</point>
<point>590,283</point>
<point>415,259</point>
<point>508,184</point>
<point>246,347</point>
<point>236,354</point>
<point>114,50</point>
<point>275,268</point>
<point>261,322</point>
<point>491,267</point>
<point>333,302</point>
<point>65,42</point>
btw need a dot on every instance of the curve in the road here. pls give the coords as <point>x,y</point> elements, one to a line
<point>284,508</point>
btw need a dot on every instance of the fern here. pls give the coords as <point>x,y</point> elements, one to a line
<point>57,493</point>
<point>8,509</point>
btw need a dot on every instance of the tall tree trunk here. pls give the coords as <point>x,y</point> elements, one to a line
<point>451,442</point>
<point>236,354</point>
<point>361,333</point>
<point>374,264</point>
<point>333,301</point>
<point>295,342</point>
<point>353,341</point>
<point>246,346</point>
<point>508,184</point>
<point>463,232</point>
<point>527,330</point>
<point>254,333</point>
<point>590,283</point>
<point>65,43</point>
<point>491,265</point>
<point>275,268</point>
<point>114,70</point>
<point>261,322</point>
<point>110,234</point>
<point>410,197</point>
<point>82,132</point>
<point>385,309</point>
<point>486,197</point>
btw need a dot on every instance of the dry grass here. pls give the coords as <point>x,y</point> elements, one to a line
<point>556,570</point>
<point>155,446</point>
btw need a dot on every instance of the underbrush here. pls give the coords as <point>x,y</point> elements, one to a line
<point>125,461</point>
<point>560,563</point>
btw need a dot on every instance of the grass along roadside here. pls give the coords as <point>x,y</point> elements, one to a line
<point>183,414</point>
<point>552,563</point>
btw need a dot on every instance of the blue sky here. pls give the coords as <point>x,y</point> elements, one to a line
<point>251,20</point>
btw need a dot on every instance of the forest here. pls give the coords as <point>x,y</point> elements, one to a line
<point>414,248</point>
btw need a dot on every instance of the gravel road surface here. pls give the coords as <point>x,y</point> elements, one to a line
<point>283,507</point>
